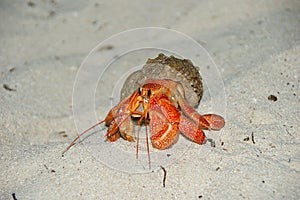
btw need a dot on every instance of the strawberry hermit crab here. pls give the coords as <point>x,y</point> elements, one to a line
<point>163,105</point>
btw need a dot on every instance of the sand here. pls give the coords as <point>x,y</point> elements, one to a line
<point>255,47</point>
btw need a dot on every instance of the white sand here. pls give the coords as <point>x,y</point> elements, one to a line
<point>255,44</point>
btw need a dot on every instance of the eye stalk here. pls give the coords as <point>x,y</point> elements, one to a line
<point>140,91</point>
<point>144,93</point>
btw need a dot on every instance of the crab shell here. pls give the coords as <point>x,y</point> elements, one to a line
<point>164,67</point>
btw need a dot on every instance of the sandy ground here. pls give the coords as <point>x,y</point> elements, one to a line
<point>256,46</point>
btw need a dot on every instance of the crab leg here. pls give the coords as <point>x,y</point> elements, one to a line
<point>208,121</point>
<point>193,114</point>
<point>191,130</point>
<point>216,122</point>
<point>112,134</point>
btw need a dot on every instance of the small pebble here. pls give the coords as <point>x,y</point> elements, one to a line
<point>272,98</point>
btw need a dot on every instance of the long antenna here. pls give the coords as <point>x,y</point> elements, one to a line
<point>81,134</point>
<point>147,143</point>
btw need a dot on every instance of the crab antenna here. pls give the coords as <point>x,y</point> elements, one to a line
<point>81,134</point>
<point>138,138</point>
<point>147,143</point>
<point>137,143</point>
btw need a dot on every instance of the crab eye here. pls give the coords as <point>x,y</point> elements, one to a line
<point>140,91</point>
<point>149,93</point>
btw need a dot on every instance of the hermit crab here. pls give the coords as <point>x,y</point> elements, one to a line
<point>163,100</point>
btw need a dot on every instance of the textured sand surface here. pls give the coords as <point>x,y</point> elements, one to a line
<point>256,46</point>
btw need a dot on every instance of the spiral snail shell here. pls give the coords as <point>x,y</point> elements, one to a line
<point>164,67</point>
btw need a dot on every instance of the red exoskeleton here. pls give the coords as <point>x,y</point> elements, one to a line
<point>162,105</point>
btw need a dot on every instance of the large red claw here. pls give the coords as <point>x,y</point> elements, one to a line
<point>164,122</point>
<point>216,122</point>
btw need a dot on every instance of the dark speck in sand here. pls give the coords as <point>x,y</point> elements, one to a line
<point>106,47</point>
<point>14,196</point>
<point>8,88</point>
<point>272,97</point>
<point>31,4</point>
